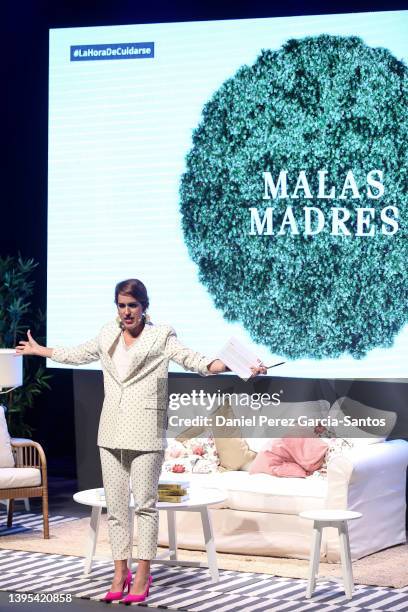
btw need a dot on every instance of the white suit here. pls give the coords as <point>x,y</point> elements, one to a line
<point>132,425</point>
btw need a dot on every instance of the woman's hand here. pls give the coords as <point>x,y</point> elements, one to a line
<point>31,347</point>
<point>260,368</point>
<point>218,367</point>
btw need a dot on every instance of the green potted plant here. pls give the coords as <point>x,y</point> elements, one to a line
<point>16,316</point>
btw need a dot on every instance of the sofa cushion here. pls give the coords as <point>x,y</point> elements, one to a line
<point>232,449</point>
<point>264,493</point>
<point>234,453</point>
<point>336,447</point>
<point>290,457</point>
<point>290,412</point>
<point>6,454</point>
<point>197,454</point>
<point>346,406</point>
<point>11,478</point>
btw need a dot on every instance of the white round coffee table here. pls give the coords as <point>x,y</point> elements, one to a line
<point>337,519</point>
<point>199,500</point>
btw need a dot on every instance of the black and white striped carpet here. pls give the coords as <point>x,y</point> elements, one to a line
<point>190,589</point>
<point>23,522</point>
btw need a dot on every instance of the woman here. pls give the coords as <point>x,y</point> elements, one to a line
<point>134,355</point>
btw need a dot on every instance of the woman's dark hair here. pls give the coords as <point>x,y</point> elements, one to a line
<point>134,288</point>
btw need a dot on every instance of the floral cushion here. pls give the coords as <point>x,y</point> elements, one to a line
<point>195,455</point>
<point>336,446</point>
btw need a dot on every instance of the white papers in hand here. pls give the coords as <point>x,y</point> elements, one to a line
<point>238,358</point>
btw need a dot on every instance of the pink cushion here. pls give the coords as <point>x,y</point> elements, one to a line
<point>290,457</point>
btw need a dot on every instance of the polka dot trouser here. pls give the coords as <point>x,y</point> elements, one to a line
<point>144,468</point>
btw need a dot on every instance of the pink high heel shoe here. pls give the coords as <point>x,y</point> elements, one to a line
<point>132,598</point>
<point>116,595</point>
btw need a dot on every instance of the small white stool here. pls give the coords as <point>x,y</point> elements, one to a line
<point>330,518</point>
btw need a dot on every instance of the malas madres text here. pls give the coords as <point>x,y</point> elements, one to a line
<point>339,220</point>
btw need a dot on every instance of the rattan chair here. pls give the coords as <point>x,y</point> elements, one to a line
<point>28,454</point>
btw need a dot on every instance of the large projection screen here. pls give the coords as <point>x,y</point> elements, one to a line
<point>252,173</point>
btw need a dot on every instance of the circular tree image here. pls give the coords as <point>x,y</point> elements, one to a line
<point>326,108</point>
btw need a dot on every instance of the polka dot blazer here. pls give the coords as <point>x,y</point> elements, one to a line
<point>134,413</point>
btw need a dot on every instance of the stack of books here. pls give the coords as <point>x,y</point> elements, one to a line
<point>173,492</point>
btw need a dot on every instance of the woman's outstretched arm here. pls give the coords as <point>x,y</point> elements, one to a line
<point>193,361</point>
<point>31,347</point>
<point>75,355</point>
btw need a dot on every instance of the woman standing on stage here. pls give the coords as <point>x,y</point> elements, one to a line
<point>134,355</point>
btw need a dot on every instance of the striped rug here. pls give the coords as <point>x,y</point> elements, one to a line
<point>24,522</point>
<point>190,589</point>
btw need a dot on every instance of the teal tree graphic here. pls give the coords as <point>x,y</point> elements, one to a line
<point>320,103</point>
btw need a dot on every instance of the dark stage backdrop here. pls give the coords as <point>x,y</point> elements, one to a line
<point>24,106</point>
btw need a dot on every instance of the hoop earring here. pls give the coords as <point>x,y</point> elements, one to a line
<point>146,317</point>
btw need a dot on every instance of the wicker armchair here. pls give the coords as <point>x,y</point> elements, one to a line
<point>28,454</point>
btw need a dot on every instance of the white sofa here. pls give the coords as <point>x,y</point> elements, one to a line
<point>260,514</point>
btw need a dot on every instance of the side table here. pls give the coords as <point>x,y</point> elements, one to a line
<point>337,519</point>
